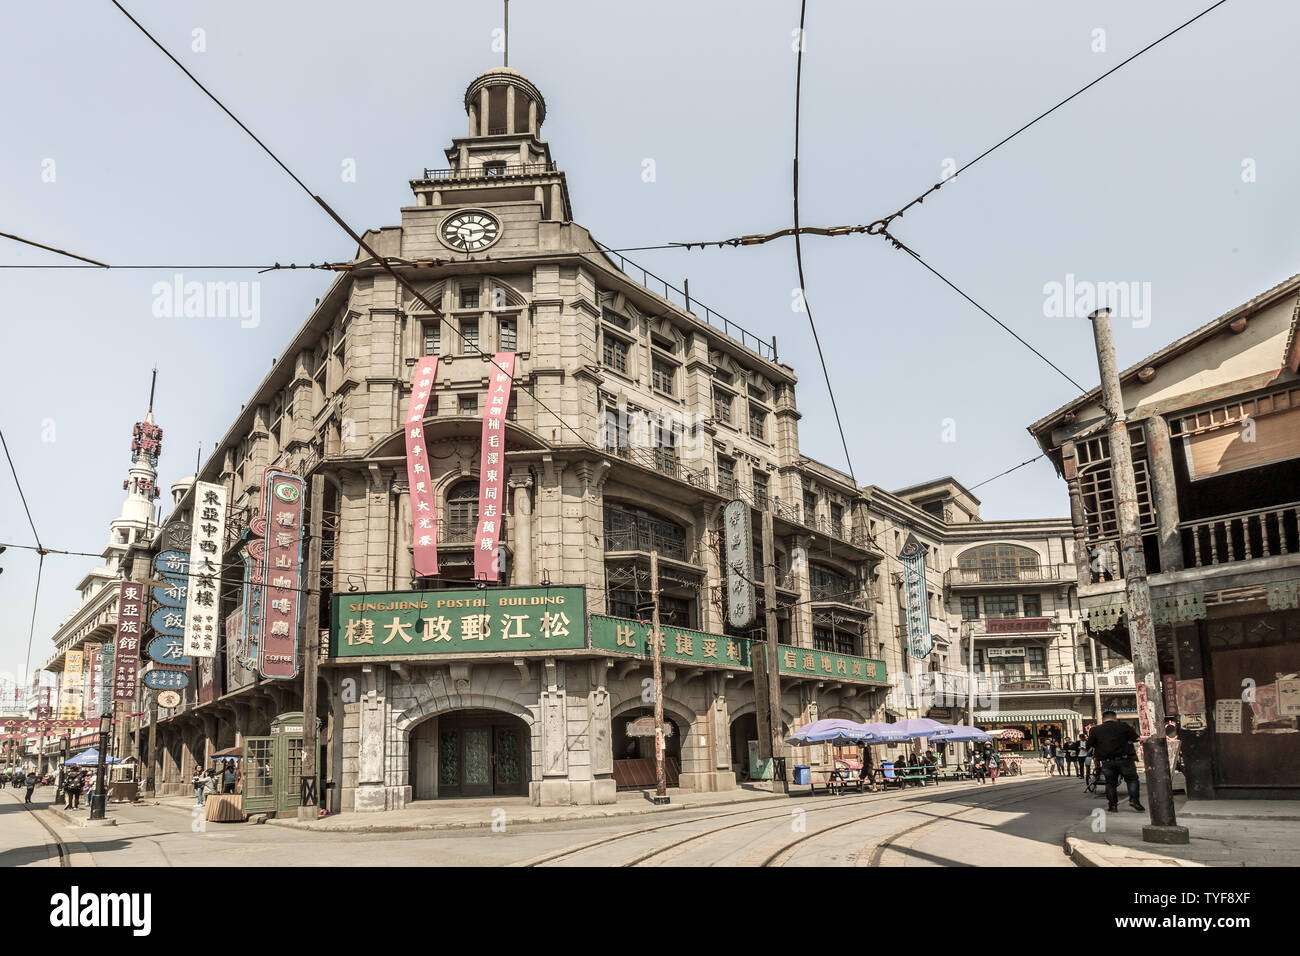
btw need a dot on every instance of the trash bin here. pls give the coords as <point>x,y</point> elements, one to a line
<point>802,775</point>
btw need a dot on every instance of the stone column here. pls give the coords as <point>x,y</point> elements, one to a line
<point>557,203</point>
<point>802,619</point>
<point>473,119</point>
<point>372,792</point>
<point>710,613</point>
<point>1165,486</point>
<point>522,532</point>
<point>510,109</point>
<point>404,570</point>
<point>483,111</point>
<point>532,116</point>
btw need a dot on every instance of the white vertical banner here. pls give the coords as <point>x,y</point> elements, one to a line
<point>207,541</point>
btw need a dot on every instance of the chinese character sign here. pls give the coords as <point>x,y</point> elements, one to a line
<point>500,620</point>
<point>130,616</point>
<point>70,703</point>
<point>916,599</point>
<point>207,542</point>
<point>738,533</point>
<point>282,498</point>
<point>424,511</point>
<point>492,469</point>
<point>94,703</point>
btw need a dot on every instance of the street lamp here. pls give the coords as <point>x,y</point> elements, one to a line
<point>99,798</point>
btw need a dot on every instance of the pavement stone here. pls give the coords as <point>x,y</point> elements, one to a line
<point>1223,833</point>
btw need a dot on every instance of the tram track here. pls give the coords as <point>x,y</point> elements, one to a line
<point>65,857</point>
<point>782,856</point>
<point>808,805</point>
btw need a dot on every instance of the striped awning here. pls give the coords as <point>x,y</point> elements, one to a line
<point>1024,716</point>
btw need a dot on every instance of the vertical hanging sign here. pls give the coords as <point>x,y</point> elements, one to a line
<point>94,698</point>
<point>424,513</point>
<point>277,652</point>
<point>919,640</point>
<point>72,672</point>
<point>126,664</point>
<point>207,542</point>
<point>492,470</point>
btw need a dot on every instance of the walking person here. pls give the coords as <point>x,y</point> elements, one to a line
<point>1058,757</point>
<point>1112,743</point>
<point>31,785</point>
<point>73,786</point>
<point>196,781</point>
<point>1071,755</point>
<point>1081,748</point>
<point>228,777</point>
<point>993,763</point>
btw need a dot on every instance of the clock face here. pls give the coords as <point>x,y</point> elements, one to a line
<point>470,231</point>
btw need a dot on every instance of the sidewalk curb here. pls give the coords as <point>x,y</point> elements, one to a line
<point>79,823</point>
<point>360,827</point>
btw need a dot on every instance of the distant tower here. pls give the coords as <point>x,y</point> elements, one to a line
<point>141,487</point>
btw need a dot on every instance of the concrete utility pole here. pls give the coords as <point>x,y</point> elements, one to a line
<point>779,783</point>
<point>311,652</point>
<point>656,637</point>
<point>1096,684</point>
<point>1141,628</point>
<point>149,781</point>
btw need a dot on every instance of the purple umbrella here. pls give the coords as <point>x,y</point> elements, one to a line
<point>825,731</point>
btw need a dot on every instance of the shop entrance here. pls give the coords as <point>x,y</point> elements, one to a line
<point>634,750</point>
<point>471,753</point>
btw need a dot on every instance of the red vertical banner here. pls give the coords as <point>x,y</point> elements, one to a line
<point>130,612</point>
<point>424,511</point>
<point>492,469</point>
<point>282,506</point>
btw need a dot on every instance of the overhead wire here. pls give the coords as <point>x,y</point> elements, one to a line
<point>382,261</point>
<point>798,247</point>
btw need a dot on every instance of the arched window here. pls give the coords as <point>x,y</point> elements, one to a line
<point>998,562</point>
<point>462,508</point>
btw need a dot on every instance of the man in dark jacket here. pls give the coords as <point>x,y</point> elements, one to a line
<point>1113,747</point>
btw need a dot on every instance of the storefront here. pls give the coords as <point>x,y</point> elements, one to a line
<point>1037,727</point>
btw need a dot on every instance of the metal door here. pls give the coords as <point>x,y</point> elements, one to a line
<point>259,789</point>
<point>507,762</point>
<point>476,761</point>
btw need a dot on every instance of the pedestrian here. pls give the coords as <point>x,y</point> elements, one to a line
<point>211,784</point>
<point>977,765</point>
<point>31,785</point>
<point>73,786</point>
<point>1081,754</point>
<point>993,761</point>
<point>196,781</point>
<point>1043,758</point>
<point>868,771</point>
<point>1058,757</point>
<point>1112,743</point>
<point>1071,754</point>
<point>228,777</point>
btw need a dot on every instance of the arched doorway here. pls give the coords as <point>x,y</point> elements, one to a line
<point>470,753</point>
<point>743,729</point>
<point>634,749</point>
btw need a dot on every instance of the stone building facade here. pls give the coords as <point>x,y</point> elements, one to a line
<point>636,415</point>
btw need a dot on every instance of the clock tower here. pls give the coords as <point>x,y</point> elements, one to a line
<point>502,161</point>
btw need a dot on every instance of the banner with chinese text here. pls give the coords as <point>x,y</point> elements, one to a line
<point>70,702</point>
<point>492,470</point>
<point>207,542</point>
<point>457,622</point>
<point>130,614</point>
<point>282,501</point>
<point>916,599</point>
<point>424,510</point>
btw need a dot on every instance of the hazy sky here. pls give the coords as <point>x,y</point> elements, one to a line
<point>1143,179</point>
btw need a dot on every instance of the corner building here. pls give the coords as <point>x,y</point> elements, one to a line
<point>636,414</point>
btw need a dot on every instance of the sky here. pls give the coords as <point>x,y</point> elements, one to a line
<point>1174,175</point>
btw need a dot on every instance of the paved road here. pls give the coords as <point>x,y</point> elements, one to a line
<point>23,841</point>
<point>1017,821</point>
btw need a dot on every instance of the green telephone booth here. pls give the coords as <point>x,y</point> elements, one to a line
<point>273,768</point>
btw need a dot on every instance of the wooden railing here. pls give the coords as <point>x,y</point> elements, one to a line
<point>1243,536</point>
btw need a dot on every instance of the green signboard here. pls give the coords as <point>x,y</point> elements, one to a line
<point>683,645</point>
<point>799,660</point>
<point>680,644</point>
<point>491,620</point>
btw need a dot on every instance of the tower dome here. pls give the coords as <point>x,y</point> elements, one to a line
<point>503,102</point>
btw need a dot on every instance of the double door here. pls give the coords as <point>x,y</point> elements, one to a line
<point>481,759</point>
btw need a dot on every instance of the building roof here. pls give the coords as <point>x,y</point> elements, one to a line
<point>936,483</point>
<point>1188,342</point>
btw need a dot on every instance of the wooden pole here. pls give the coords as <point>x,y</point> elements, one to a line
<point>779,784</point>
<point>311,652</point>
<point>656,638</point>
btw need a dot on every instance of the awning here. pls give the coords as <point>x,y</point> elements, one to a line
<point>1024,716</point>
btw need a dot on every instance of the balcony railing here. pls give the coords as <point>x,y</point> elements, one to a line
<point>1037,574</point>
<point>462,532</point>
<point>827,594</point>
<point>1078,682</point>
<point>645,539</point>
<point>491,172</point>
<point>1243,536</point>
<point>663,460</point>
